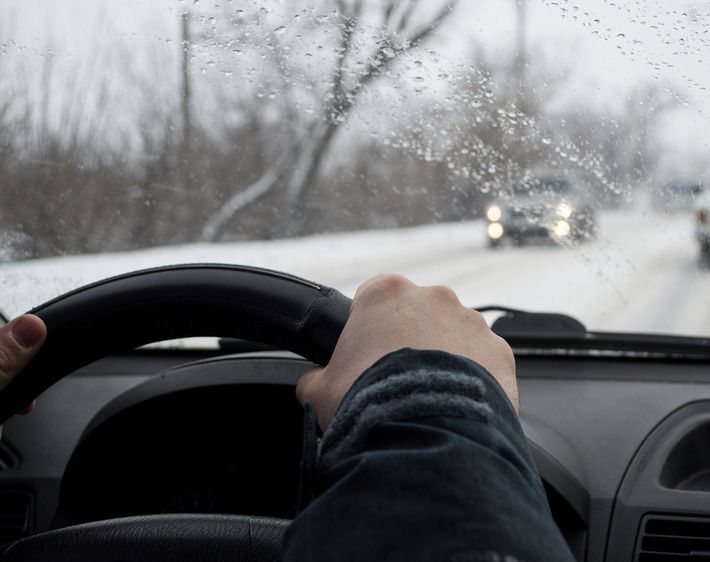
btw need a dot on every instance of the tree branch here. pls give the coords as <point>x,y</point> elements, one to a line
<point>425,31</point>
<point>379,62</point>
<point>350,22</point>
<point>406,16</point>
<point>214,227</point>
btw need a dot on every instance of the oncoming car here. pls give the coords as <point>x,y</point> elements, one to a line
<point>677,197</point>
<point>702,226</point>
<point>544,207</point>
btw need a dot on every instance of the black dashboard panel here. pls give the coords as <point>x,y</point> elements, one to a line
<point>147,440</point>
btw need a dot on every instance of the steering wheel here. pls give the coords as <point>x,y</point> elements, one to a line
<point>130,310</point>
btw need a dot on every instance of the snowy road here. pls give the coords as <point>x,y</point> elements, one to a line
<point>641,274</point>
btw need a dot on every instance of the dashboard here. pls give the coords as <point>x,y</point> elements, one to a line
<point>622,445</point>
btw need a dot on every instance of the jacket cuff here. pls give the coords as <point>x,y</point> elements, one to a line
<point>409,384</point>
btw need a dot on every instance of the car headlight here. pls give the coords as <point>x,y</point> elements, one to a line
<point>495,231</point>
<point>564,210</point>
<point>493,213</point>
<point>561,228</point>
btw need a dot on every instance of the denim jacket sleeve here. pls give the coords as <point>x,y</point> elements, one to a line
<point>426,460</point>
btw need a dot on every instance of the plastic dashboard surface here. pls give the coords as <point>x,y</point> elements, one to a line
<point>610,437</point>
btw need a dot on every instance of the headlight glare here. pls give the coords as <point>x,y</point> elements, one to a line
<point>561,229</point>
<point>495,231</point>
<point>564,210</point>
<point>493,213</point>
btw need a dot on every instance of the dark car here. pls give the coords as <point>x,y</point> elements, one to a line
<point>548,206</point>
<point>677,197</point>
<point>702,226</point>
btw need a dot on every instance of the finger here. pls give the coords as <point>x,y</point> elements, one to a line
<point>20,340</point>
<point>307,384</point>
<point>27,409</point>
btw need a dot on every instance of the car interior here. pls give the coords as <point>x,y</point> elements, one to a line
<point>618,427</point>
<point>192,191</point>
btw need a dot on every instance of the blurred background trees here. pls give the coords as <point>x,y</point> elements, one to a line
<point>266,124</point>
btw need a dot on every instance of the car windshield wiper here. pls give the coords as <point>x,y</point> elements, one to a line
<point>554,333</point>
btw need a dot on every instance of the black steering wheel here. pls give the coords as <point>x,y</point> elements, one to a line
<point>130,310</point>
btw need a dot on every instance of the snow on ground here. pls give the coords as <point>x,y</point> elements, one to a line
<point>641,274</point>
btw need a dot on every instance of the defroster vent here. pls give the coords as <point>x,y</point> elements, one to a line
<point>669,538</point>
<point>15,514</point>
<point>9,458</point>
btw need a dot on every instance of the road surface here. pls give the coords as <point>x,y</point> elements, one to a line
<point>641,274</point>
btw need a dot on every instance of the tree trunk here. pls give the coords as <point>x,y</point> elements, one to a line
<point>215,226</point>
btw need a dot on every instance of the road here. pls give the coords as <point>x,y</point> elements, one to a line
<point>641,274</point>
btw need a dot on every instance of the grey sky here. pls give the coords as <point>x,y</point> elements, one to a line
<point>604,48</point>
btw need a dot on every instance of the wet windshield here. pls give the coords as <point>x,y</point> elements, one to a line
<point>536,186</point>
<point>544,155</point>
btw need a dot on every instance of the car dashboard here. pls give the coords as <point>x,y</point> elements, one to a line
<point>621,444</point>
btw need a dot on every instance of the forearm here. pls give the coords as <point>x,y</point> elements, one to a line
<point>426,460</point>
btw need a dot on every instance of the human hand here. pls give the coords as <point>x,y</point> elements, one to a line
<point>20,340</point>
<point>390,312</point>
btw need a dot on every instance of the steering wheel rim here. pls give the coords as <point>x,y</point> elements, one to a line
<point>150,538</point>
<point>171,302</point>
<point>141,307</point>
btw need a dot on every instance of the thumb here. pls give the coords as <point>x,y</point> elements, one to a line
<point>20,340</point>
<point>307,388</point>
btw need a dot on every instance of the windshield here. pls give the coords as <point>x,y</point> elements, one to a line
<point>539,186</point>
<point>543,155</point>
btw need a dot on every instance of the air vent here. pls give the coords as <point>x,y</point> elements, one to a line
<point>15,514</point>
<point>9,458</point>
<point>669,538</point>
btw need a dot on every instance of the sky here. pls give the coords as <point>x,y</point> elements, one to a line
<point>603,49</point>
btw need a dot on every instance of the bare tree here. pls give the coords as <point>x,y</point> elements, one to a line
<point>398,32</point>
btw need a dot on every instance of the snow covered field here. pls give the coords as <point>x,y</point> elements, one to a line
<point>641,274</point>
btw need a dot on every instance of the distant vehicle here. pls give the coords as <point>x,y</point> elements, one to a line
<point>702,226</point>
<point>550,206</point>
<point>677,197</point>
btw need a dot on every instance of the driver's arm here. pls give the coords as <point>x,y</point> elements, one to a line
<point>423,457</point>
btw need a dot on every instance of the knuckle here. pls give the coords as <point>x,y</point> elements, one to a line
<point>444,293</point>
<point>477,319</point>
<point>392,283</point>
<point>385,285</point>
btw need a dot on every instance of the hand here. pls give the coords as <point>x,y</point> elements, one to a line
<point>20,340</point>
<point>390,312</point>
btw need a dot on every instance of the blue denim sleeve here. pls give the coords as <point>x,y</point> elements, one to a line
<point>426,460</point>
